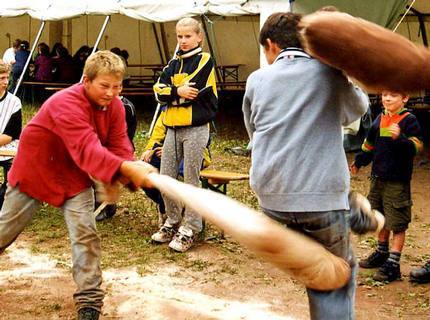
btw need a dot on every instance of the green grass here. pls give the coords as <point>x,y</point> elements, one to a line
<point>126,237</point>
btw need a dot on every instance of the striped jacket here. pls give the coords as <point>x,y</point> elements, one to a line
<point>193,66</point>
<point>392,159</point>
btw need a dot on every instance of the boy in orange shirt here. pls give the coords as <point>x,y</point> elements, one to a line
<point>393,141</point>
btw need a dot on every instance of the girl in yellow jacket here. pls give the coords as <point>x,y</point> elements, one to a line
<point>187,92</point>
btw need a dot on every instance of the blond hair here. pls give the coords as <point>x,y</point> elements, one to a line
<point>4,67</point>
<point>191,22</point>
<point>103,62</point>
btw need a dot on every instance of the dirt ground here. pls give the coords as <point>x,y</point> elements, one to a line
<point>37,287</point>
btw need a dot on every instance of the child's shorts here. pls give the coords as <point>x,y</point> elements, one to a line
<point>393,200</point>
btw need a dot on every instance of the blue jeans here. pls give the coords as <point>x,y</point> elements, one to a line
<point>16,213</point>
<point>331,229</point>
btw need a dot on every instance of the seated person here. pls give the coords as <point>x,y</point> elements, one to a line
<point>131,121</point>
<point>79,59</point>
<point>21,57</point>
<point>63,67</point>
<point>43,63</point>
<point>10,122</point>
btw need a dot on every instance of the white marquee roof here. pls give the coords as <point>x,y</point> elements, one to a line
<point>149,10</point>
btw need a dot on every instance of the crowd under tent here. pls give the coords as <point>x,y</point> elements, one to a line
<point>145,28</point>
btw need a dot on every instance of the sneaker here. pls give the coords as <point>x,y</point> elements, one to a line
<point>421,275</point>
<point>88,314</point>
<point>375,260</point>
<point>183,240</point>
<point>363,218</point>
<point>388,272</point>
<point>165,234</point>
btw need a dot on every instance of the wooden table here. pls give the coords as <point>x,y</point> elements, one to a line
<point>156,71</point>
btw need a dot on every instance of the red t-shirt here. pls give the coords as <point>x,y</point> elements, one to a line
<point>68,140</point>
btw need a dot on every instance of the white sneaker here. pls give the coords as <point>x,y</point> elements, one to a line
<point>183,240</point>
<point>165,234</point>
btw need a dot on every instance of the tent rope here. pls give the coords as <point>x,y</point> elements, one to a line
<point>212,35</point>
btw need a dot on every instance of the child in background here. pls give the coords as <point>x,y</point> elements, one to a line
<point>131,124</point>
<point>393,141</point>
<point>10,123</point>
<point>187,91</point>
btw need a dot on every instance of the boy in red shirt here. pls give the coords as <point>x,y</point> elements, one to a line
<point>78,133</point>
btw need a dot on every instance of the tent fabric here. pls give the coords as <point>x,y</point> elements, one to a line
<point>149,10</point>
<point>385,13</point>
<point>160,11</point>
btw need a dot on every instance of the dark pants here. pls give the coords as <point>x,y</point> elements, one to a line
<point>6,166</point>
<point>153,193</point>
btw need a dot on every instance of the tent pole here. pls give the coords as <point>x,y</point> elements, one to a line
<point>36,40</point>
<point>217,71</point>
<point>164,40</point>
<point>423,30</point>
<point>157,39</point>
<point>422,24</point>
<point>99,37</point>
<point>157,110</point>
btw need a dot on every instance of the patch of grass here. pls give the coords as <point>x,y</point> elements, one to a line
<point>368,281</point>
<point>417,259</point>
<point>228,268</point>
<point>198,264</point>
<point>52,307</point>
<point>369,242</point>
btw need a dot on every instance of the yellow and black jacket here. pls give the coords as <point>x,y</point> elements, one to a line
<point>193,66</point>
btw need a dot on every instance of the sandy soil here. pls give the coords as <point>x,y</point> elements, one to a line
<point>37,287</point>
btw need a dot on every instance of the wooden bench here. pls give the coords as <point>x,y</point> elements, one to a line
<point>218,180</point>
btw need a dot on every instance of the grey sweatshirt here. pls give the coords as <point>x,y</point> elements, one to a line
<point>294,110</point>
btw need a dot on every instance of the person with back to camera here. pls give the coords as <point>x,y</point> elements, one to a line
<point>21,57</point>
<point>9,54</point>
<point>391,145</point>
<point>294,110</point>
<point>187,91</point>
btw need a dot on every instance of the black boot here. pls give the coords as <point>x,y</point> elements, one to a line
<point>421,275</point>
<point>375,260</point>
<point>88,314</point>
<point>388,272</point>
<point>107,213</point>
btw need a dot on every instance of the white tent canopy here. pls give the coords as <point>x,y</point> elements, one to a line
<point>148,10</point>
